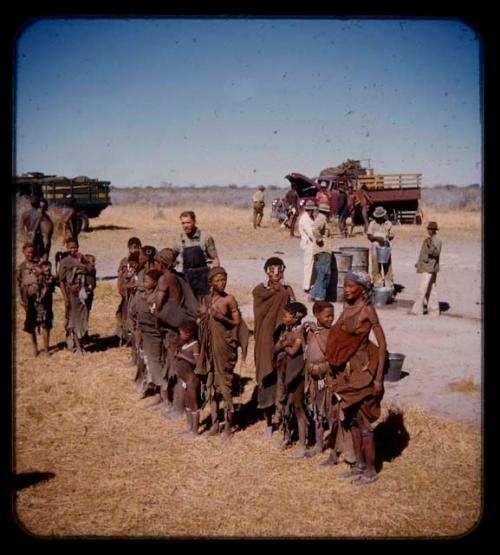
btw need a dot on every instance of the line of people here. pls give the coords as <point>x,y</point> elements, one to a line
<point>184,331</point>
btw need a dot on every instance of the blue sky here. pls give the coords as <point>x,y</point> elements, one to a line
<point>219,101</point>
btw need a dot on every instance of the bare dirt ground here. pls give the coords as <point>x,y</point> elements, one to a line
<point>120,469</point>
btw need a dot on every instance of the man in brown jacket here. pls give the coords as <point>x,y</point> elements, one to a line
<point>428,266</point>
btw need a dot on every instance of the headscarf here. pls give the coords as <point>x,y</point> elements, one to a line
<point>359,277</point>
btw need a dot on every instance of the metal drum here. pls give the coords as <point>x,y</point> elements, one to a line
<point>341,264</point>
<point>359,257</point>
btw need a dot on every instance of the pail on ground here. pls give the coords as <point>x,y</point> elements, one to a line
<point>382,295</point>
<point>395,366</point>
<point>383,253</point>
<point>359,257</point>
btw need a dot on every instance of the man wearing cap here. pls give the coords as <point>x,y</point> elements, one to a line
<point>198,252</point>
<point>321,253</point>
<point>380,232</point>
<point>428,266</point>
<point>259,202</point>
<point>307,241</point>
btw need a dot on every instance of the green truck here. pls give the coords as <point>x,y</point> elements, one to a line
<point>92,195</point>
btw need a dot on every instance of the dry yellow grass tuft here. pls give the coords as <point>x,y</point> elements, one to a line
<point>465,386</point>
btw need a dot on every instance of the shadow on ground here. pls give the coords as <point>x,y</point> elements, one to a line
<point>106,227</point>
<point>391,438</point>
<point>27,479</point>
<point>247,414</point>
<point>95,343</point>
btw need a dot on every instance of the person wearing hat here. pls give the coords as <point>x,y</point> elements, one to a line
<point>307,240</point>
<point>428,266</point>
<point>323,195</point>
<point>322,256</point>
<point>259,202</point>
<point>380,232</point>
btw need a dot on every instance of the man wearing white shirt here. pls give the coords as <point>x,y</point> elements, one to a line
<point>306,222</point>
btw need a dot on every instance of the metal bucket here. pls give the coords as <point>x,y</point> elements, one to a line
<point>382,295</point>
<point>359,257</point>
<point>395,366</point>
<point>341,264</point>
<point>383,253</point>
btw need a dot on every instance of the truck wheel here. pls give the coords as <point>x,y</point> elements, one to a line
<point>84,222</point>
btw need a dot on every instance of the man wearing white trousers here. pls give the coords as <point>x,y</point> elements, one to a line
<point>306,222</point>
<point>428,266</point>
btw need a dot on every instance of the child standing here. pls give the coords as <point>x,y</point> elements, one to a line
<point>124,274</point>
<point>289,359</point>
<point>186,358</point>
<point>317,370</point>
<point>36,288</point>
<point>220,337</point>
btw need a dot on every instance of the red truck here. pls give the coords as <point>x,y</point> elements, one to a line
<point>398,193</point>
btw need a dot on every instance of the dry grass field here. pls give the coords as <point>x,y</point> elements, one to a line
<point>101,463</point>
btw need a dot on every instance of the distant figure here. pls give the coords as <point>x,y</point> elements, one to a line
<point>380,231</point>
<point>71,223</point>
<point>342,211</point>
<point>38,228</point>
<point>292,206</point>
<point>259,202</point>
<point>428,266</point>
<point>323,196</point>
<point>43,237</point>
<point>198,252</point>
<point>362,201</point>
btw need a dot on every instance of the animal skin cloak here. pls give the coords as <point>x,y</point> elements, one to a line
<point>219,354</point>
<point>267,307</point>
<point>354,360</point>
<point>75,276</point>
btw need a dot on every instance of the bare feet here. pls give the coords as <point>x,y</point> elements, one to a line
<point>365,478</point>
<point>268,432</point>
<point>300,452</point>
<point>332,459</point>
<point>226,436</point>
<point>214,430</point>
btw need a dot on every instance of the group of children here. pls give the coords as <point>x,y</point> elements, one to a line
<point>312,377</point>
<point>76,278</point>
